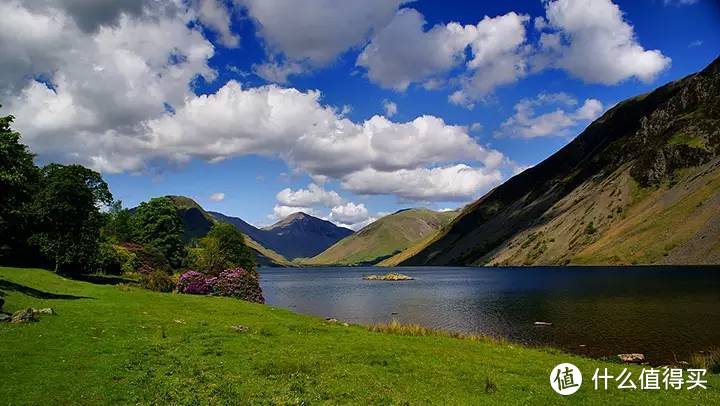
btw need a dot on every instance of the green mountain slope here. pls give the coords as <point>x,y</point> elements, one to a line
<point>197,223</point>
<point>384,237</point>
<point>641,185</point>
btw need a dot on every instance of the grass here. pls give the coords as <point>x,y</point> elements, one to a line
<point>125,345</point>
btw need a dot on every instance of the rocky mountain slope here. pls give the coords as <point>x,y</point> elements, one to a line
<point>383,238</point>
<point>641,185</point>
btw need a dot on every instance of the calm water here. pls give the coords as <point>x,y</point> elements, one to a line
<point>662,312</point>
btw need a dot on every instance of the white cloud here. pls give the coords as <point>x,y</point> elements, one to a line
<point>280,211</point>
<point>215,15</point>
<point>695,43</point>
<point>390,108</point>
<point>591,40</point>
<point>278,72</point>
<point>311,196</point>
<point>349,213</point>
<point>217,197</point>
<point>559,122</point>
<point>679,2</point>
<point>404,53</point>
<point>476,127</point>
<point>450,183</point>
<point>317,31</point>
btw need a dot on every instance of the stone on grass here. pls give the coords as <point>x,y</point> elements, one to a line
<point>240,328</point>
<point>5,317</point>
<point>634,358</point>
<point>47,310</point>
<point>24,316</point>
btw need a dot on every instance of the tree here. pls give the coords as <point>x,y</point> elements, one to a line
<point>19,179</point>
<point>118,226</point>
<point>66,211</point>
<point>157,224</point>
<point>231,245</point>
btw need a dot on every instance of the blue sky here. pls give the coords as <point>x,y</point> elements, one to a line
<point>177,97</point>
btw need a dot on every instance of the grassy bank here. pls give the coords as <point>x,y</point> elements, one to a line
<point>125,345</point>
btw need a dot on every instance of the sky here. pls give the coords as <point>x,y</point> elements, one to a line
<point>347,110</point>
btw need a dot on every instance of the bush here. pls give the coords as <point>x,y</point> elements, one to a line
<point>238,283</point>
<point>144,259</point>
<point>194,283</point>
<point>157,280</point>
<point>109,261</point>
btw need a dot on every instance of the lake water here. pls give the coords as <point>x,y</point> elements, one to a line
<point>665,313</point>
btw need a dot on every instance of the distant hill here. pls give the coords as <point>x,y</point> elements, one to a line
<point>197,223</point>
<point>383,238</point>
<point>641,185</point>
<point>297,235</point>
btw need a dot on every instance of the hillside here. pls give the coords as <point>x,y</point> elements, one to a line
<point>641,185</point>
<point>197,223</point>
<point>384,237</point>
<point>126,345</point>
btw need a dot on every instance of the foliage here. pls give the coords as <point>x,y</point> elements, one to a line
<point>238,283</point>
<point>157,281</point>
<point>118,223</point>
<point>157,224</point>
<point>18,182</point>
<point>194,283</point>
<point>67,213</point>
<point>143,259</point>
<point>223,248</point>
<point>231,243</point>
<point>109,260</point>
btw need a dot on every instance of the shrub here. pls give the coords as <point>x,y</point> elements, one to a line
<point>157,280</point>
<point>238,283</point>
<point>109,261</point>
<point>194,283</point>
<point>145,259</point>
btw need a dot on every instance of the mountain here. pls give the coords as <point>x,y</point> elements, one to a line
<point>384,237</point>
<point>301,235</point>
<point>297,235</point>
<point>197,223</point>
<point>641,185</point>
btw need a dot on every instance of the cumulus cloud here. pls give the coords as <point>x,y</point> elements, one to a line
<point>591,40</point>
<point>404,53</point>
<point>280,211</point>
<point>448,183</point>
<point>317,31</point>
<point>215,15</point>
<point>311,196</point>
<point>559,122</point>
<point>278,72</point>
<point>349,213</point>
<point>390,108</point>
<point>217,197</point>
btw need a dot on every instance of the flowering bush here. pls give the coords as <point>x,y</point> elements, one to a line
<point>238,283</point>
<point>195,283</point>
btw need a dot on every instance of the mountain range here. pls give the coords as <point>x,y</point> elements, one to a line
<point>641,185</point>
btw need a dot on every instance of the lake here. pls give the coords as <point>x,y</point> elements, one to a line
<point>666,313</point>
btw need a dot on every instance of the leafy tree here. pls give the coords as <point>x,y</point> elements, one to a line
<point>66,210</point>
<point>157,224</point>
<point>118,226</point>
<point>224,248</point>
<point>19,179</point>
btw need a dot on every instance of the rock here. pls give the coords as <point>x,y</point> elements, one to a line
<point>542,323</point>
<point>331,320</point>
<point>345,325</point>
<point>5,318</point>
<point>389,277</point>
<point>240,328</point>
<point>24,316</point>
<point>47,310</point>
<point>634,358</point>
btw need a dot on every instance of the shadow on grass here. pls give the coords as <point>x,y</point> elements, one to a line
<point>105,279</point>
<point>26,290</point>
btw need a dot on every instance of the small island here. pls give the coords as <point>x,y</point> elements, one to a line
<point>389,277</point>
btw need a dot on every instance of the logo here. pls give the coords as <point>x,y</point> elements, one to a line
<point>565,379</point>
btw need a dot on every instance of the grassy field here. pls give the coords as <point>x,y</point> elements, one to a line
<point>125,345</point>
